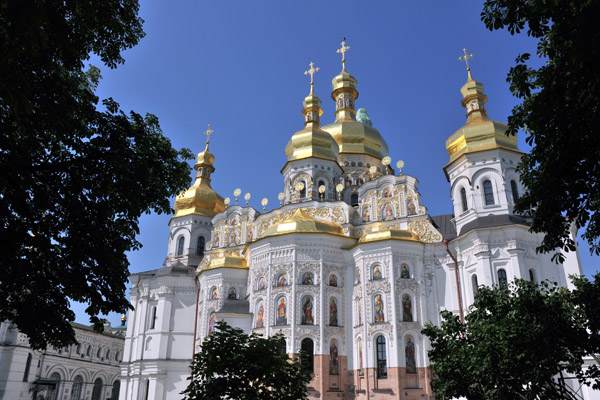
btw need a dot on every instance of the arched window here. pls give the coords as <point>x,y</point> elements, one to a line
<point>303,191</point>
<point>381,357</point>
<point>502,281</point>
<point>76,390</point>
<point>54,391</point>
<point>99,352</point>
<point>200,246</point>
<point>88,351</point>
<point>514,190</point>
<point>78,351</point>
<point>115,390</point>
<point>153,318</point>
<point>307,353</point>
<point>474,284</point>
<point>180,242</point>
<point>532,275</point>
<point>97,390</point>
<point>488,192</point>
<point>321,183</point>
<point>354,199</point>
<point>282,346</point>
<point>27,367</point>
<point>463,199</point>
<point>117,356</point>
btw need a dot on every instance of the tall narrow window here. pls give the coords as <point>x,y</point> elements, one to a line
<point>531,275</point>
<point>502,281</point>
<point>180,245</point>
<point>200,246</point>
<point>76,390</point>
<point>54,392</point>
<point>488,192</point>
<point>514,190</point>
<point>354,199</point>
<point>147,391</point>
<point>153,318</point>
<point>27,367</point>
<point>381,357</point>
<point>97,390</point>
<point>308,357</point>
<point>303,191</point>
<point>321,183</point>
<point>115,390</point>
<point>475,285</point>
<point>463,199</point>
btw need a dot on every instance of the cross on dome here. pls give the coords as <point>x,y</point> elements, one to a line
<point>465,57</point>
<point>343,51</point>
<point>208,132</point>
<point>311,72</point>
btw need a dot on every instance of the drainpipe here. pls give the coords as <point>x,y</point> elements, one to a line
<point>460,309</point>
<point>195,319</point>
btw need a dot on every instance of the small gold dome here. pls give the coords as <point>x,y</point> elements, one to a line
<point>200,198</point>
<point>312,141</point>
<point>222,260</point>
<point>301,222</point>
<point>357,138</point>
<point>389,234</point>
<point>350,135</point>
<point>480,132</point>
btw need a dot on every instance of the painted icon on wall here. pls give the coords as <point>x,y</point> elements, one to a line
<point>307,278</point>
<point>282,279</point>
<point>406,308</point>
<point>307,311</point>
<point>333,280</point>
<point>333,312</point>
<point>378,309</point>
<point>334,368</point>
<point>377,273</point>
<point>281,312</point>
<point>409,353</point>
<point>260,314</point>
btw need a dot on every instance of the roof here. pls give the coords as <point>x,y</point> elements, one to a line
<point>491,221</point>
<point>443,223</point>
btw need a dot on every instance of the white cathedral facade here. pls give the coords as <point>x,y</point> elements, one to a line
<point>349,268</point>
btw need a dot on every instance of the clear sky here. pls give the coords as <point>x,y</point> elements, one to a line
<point>239,65</point>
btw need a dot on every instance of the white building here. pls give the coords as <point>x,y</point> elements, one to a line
<point>85,371</point>
<point>351,272</point>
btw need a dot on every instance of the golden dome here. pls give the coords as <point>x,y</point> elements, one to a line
<point>479,133</point>
<point>222,260</point>
<point>200,198</point>
<point>350,135</point>
<point>312,141</point>
<point>301,222</point>
<point>389,234</point>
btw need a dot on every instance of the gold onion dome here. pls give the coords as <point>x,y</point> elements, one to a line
<point>312,141</point>
<point>222,260</point>
<point>301,222</point>
<point>389,234</point>
<point>350,135</point>
<point>479,132</point>
<point>200,198</point>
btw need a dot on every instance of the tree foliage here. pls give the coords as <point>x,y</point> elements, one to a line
<point>560,113</point>
<point>73,179</point>
<point>234,365</point>
<point>514,343</point>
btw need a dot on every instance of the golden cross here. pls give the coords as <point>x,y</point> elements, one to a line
<point>343,50</point>
<point>311,71</point>
<point>465,58</point>
<point>208,132</point>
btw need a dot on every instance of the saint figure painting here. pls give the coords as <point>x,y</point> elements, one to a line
<point>281,313</point>
<point>334,368</point>
<point>378,309</point>
<point>307,311</point>
<point>260,314</point>
<point>406,308</point>
<point>409,353</point>
<point>333,312</point>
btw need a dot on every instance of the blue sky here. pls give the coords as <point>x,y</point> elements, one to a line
<point>239,66</point>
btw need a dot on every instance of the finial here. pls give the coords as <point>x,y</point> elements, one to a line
<point>311,71</point>
<point>343,51</point>
<point>465,57</point>
<point>208,132</point>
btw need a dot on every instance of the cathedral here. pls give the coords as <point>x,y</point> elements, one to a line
<point>349,268</point>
